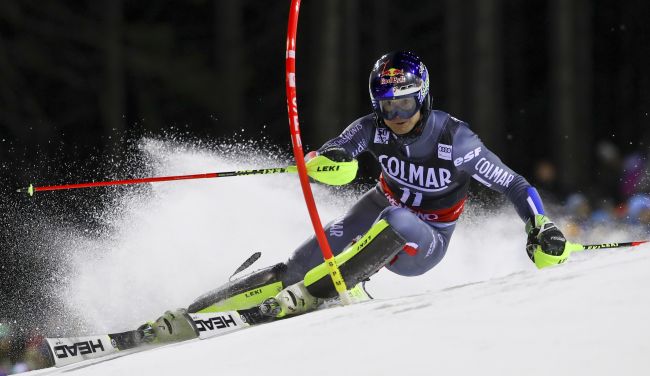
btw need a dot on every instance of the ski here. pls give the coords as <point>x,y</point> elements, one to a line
<point>65,351</point>
<point>214,324</point>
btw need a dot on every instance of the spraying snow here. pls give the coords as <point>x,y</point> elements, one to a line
<point>162,247</point>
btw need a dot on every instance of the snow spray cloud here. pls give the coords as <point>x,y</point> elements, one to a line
<point>165,245</point>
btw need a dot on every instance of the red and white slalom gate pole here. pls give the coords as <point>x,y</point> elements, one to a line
<point>292,104</point>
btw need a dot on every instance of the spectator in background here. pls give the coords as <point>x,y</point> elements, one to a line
<point>609,171</point>
<point>644,183</point>
<point>603,213</point>
<point>636,170</point>
<point>5,348</point>
<point>638,210</point>
<point>584,214</point>
<point>36,353</point>
<point>19,353</point>
<point>635,174</point>
<point>578,211</point>
<point>546,181</point>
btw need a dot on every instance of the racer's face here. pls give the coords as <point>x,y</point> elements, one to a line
<point>403,126</point>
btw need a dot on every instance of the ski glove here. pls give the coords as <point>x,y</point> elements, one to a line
<point>333,166</point>
<point>546,244</point>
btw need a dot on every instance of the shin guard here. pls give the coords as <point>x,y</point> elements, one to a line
<point>359,261</point>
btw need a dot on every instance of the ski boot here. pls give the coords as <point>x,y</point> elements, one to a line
<point>294,300</point>
<point>172,326</point>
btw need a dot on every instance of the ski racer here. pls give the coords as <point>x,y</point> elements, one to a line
<point>405,222</point>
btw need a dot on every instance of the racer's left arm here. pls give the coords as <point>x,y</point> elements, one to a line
<point>546,243</point>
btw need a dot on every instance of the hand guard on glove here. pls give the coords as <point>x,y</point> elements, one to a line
<point>332,166</point>
<point>546,244</point>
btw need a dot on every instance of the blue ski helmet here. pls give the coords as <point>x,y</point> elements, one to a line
<point>399,75</point>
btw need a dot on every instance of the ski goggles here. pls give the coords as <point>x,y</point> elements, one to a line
<point>404,108</point>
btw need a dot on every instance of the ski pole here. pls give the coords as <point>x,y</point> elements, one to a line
<point>264,171</point>
<point>569,248</point>
<point>580,247</point>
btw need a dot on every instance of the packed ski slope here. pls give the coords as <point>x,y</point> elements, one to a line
<point>484,310</point>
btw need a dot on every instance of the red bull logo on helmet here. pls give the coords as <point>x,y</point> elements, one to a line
<point>392,76</point>
<point>392,72</point>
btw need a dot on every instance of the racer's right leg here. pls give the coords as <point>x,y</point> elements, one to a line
<point>253,289</point>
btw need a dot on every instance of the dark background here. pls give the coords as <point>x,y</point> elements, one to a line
<point>536,79</point>
<point>81,80</point>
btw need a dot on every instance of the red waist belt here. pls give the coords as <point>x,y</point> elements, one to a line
<point>449,214</point>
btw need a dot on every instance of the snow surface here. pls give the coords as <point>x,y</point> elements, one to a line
<point>484,310</point>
